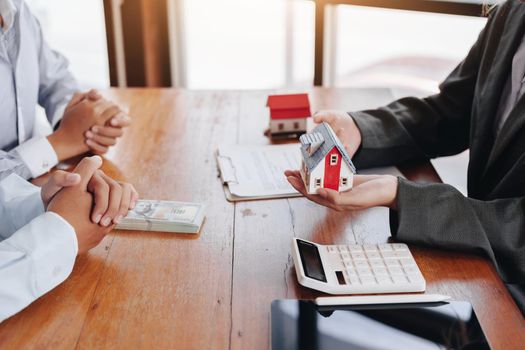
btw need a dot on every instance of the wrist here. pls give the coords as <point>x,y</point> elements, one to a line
<point>393,185</point>
<point>63,147</point>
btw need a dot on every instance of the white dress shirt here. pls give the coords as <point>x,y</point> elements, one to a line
<point>30,74</point>
<point>37,249</point>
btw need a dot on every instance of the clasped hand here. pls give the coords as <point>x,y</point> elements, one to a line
<point>368,190</point>
<point>90,123</point>
<point>88,200</point>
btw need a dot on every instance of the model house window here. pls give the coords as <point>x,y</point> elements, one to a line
<point>317,182</point>
<point>333,159</point>
<point>344,181</point>
<point>281,126</point>
<point>296,125</point>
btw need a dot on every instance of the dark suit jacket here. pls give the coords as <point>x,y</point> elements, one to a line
<point>492,219</point>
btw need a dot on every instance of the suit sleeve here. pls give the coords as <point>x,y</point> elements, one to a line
<point>494,228</point>
<point>413,128</point>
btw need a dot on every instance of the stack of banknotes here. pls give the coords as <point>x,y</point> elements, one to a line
<point>164,216</point>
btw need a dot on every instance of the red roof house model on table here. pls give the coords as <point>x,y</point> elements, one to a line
<point>288,114</point>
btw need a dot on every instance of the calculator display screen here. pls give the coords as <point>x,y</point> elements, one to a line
<point>311,260</point>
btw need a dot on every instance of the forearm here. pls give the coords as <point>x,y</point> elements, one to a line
<point>34,260</point>
<point>438,215</point>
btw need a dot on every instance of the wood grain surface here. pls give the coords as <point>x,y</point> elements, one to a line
<point>143,290</point>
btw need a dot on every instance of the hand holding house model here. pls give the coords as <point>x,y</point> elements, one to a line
<point>325,161</point>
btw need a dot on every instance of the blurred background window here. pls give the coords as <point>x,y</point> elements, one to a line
<point>76,28</point>
<point>260,44</point>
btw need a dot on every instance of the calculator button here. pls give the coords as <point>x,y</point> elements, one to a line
<point>399,247</point>
<point>401,255</point>
<point>392,263</point>
<point>361,263</point>
<point>415,278</point>
<point>367,279</point>
<point>373,255</point>
<point>370,247</point>
<point>383,279</point>
<point>364,271</point>
<point>353,279</point>
<point>351,272</point>
<point>355,248</point>
<point>331,249</point>
<point>399,279</point>
<point>348,263</point>
<point>410,270</point>
<point>380,271</point>
<point>358,256</point>
<point>345,256</point>
<point>395,270</point>
<point>407,262</point>
<point>342,248</point>
<point>389,255</point>
<point>386,248</point>
<point>376,263</point>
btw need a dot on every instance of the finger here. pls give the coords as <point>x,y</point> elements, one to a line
<point>115,198</point>
<point>110,113</point>
<point>86,168</point>
<point>298,184</point>
<point>77,97</point>
<point>324,117</point>
<point>94,95</point>
<point>100,108</point>
<point>107,131</point>
<point>101,140</point>
<point>96,148</point>
<point>125,202</point>
<point>59,179</point>
<point>100,190</point>
<point>332,196</point>
<point>134,198</point>
<point>121,120</point>
<point>295,173</point>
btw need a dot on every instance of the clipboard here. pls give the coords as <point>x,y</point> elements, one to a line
<point>257,172</point>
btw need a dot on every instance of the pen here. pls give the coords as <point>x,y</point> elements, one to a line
<point>382,299</point>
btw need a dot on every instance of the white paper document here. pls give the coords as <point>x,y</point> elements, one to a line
<point>453,170</point>
<point>257,172</point>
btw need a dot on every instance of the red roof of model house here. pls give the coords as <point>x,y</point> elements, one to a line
<point>289,106</point>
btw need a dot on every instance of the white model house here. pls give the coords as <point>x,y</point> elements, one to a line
<point>325,164</point>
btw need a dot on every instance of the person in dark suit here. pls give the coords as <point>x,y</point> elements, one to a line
<point>481,106</point>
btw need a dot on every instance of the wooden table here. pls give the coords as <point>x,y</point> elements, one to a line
<point>213,291</point>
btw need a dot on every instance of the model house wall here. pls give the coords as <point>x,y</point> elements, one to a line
<point>278,126</point>
<point>319,174</point>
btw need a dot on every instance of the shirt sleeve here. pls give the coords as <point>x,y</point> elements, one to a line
<point>20,202</point>
<point>34,260</point>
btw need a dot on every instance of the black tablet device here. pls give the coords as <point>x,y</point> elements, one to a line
<point>302,325</point>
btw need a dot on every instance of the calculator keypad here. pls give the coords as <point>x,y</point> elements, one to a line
<point>376,264</point>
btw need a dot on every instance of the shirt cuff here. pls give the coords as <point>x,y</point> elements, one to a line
<point>38,155</point>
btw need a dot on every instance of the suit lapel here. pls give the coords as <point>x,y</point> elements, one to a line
<point>483,142</point>
<point>516,118</point>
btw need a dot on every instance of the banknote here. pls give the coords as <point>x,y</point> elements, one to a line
<point>167,216</point>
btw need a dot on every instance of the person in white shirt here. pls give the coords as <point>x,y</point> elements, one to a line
<point>33,74</point>
<point>43,230</point>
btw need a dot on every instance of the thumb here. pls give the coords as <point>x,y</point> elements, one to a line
<point>77,97</point>
<point>94,95</point>
<point>86,168</point>
<point>58,180</point>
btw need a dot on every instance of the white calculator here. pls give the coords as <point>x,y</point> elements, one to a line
<point>356,269</point>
